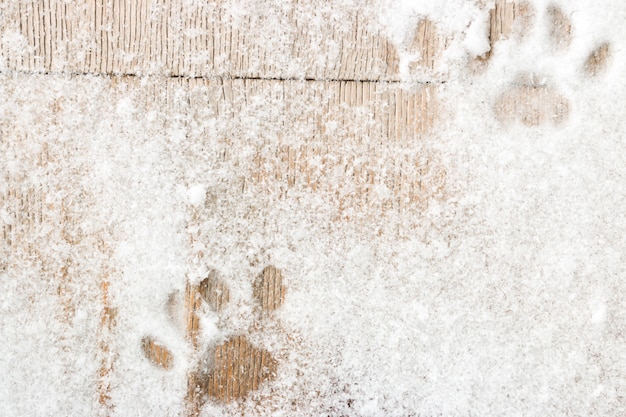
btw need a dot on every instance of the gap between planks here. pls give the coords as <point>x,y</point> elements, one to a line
<point>234,78</point>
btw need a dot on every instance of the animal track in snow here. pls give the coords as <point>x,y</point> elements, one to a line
<point>232,369</point>
<point>531,99</point>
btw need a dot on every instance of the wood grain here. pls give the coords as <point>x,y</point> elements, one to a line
<point>507,19</point>
<point>526,100</point>
<point>157,353</point>
<point>45,235</point>
<point>560,28</point>
<point>357,145</point>
<point>304,87</point>
<point>241,39</point>
<point>532,105</point>
<point>235,367</point>
<point>57,225</point>
<point>269,291</point>
<point>597,60</point>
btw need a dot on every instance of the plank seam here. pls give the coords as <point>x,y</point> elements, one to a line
<point>233,78</point>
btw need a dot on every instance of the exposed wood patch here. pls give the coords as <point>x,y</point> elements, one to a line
<point>214,291</point>
<point>507,19</point>
<point>235,367</point>
<point>426,43</point>
<point>269,291</point>
<point>25,208</point>
<point>157,353</point>
<point>532,105</point>
<point>560,28</point>
<point>108,319</point>
<point>597,60</point>
<point>193,304</point>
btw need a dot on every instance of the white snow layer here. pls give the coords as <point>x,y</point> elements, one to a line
<point>505,298</point>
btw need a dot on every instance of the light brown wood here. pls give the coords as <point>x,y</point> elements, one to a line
<point>269,291</point>
<point>346,166</point>
<point>427,44</point>
<point>526,100</point>
<point>45,234</point>
<point>532,105</point>
<point>597,60</point>
<point>157,353</point>
<point>211,290</point>
<point>289,82</point>
<point>263,39</point>
<point>193,304</point>
<point>26,208</point>
<point>560,28</point>
<point>234,368</point>
<point>507,19</point>
<point>106,333</point>
<point>355,144</point>
<point>214,291</point>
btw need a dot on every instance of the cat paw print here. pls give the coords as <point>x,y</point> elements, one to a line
<point>230,370</point>
<point>531,98</point>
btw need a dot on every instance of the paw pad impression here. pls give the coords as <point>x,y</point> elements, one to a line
<point>531,99</point>
<point>235,367</point>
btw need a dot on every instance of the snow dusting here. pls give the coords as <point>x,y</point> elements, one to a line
<point>502,295</point>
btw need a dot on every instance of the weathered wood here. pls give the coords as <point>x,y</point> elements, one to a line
<point>214,291</point>
<point>105,335</point>
<point>44,232</point>
<point>344,141</point>
<point>532,105</point>
<point>234,368</point>
<point>560,28</point>
<point>355,144</point>
<point>157,353</point>
<point>526,100</point>
<point>246,39</point>
<point>507,19</point>
<point>269,291</point>
<point>597,60</point>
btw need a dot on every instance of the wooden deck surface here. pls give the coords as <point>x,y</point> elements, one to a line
<point>329,69</point>
<point>215,39</point>
<point>318,155</point>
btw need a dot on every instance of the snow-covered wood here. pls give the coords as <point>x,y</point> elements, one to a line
<point>172,165</point>
<point>247,39</point>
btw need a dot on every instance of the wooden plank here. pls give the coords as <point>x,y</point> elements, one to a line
<point>531,104</point>
<point>354,144</point>
<point>267,39</point>
<point>44,236</point>
<point>325,138</point>
<point>358,145</point>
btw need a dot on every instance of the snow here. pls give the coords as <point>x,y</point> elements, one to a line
<point>504,297</point>
<point>196,195</point>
